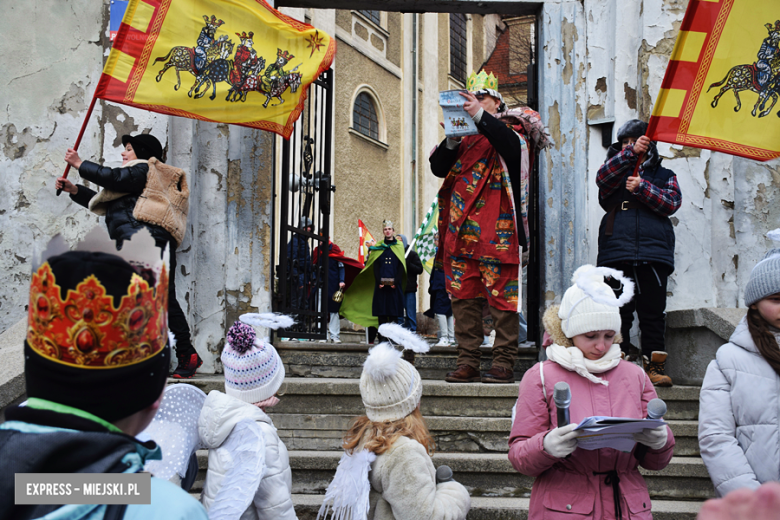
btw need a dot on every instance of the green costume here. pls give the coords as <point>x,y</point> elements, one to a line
<point>356,306</point>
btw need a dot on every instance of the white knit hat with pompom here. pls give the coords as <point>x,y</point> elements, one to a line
<point>590,304</point>
<point>391,388</point>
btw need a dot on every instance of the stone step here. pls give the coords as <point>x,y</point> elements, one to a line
<point>491,475</point>
<point>342,397</point>
<point>505,508</point>
<point>345,360</point>
<point>452,434</point>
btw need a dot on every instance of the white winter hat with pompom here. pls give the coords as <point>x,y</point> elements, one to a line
<point>391,388</point>
<point>590,304</point>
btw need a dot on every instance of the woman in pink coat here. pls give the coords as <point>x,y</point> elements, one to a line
<point>572,482</point>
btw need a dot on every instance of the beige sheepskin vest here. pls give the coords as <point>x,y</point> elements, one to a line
<point>165,199</point>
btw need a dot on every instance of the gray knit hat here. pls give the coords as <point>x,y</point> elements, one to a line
<point>765,277</point>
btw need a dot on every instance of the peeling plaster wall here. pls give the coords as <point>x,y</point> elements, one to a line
<point>224,259</point>
<point>562,181</point>
<point>47,78</point>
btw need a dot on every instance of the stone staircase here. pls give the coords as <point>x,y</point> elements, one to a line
<point>470,423</point>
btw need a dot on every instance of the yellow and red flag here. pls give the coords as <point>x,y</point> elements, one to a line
<point>365,236</point>
<point>229,61</point>
<point>723,80</point>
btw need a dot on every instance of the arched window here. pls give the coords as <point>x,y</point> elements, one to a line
<point>458,46</point>
<point>372,15</point>
<point>364,117</point>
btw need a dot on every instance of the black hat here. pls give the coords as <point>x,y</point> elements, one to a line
<point>145,146</point>
<point>97,333</point>
<point>633,128</point>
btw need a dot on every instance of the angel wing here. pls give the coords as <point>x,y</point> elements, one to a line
<point>175,429</point>
<point>347,495</point>
<point>246,445</point>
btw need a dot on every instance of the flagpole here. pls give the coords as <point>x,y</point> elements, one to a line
<point>81,134</point>
<point>650,130</point>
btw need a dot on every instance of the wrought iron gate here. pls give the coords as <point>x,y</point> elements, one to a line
<point>301,275</point>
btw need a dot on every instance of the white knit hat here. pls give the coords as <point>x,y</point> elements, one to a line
<point>391,388</point>
<point>590,304</point>
<point>253,369</point>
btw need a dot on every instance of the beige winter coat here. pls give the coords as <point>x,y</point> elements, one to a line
<point>165,200</point>
<point>403,487</point>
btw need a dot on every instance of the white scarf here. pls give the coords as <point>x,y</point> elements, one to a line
<point>573,360</point>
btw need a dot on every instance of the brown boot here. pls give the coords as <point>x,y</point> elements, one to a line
<point>463,374</point>
<point>498,375</point>
<point>656,369</point>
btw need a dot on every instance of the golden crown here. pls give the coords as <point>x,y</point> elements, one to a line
<point>86,330</point>
<point>481,81</point>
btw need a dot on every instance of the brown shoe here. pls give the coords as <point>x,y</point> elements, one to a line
<point>498,375</point>
<point>463,374</point>
<point>656,369</point>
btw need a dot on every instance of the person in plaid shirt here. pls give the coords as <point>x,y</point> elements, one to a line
<point>636,236</point>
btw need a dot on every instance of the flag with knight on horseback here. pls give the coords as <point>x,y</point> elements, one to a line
<point>732,46</point>
<point>241,52</point>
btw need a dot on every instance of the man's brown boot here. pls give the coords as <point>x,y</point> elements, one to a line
<point>463,374</point>
<point>656,369</point>
<point>498,375</point>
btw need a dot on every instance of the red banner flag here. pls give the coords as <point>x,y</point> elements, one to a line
<point>365,236</point>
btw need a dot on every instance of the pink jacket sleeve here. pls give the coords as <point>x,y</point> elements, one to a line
<point>532,423</point>
<point>655,459</point>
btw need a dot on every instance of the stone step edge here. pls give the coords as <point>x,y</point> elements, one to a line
<point>525,350</point>
<point>431,387</point>
<point>686,428</point>
<point>688,467</point>
<point>521,504</point>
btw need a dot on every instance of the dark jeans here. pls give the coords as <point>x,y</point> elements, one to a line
<point>177,321</point>
<point>410,305</point>
<point>649,302</point>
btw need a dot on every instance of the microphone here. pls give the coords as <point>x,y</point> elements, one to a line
<point>443,474</point>
<point>656,408</point>
<point>562,398</point>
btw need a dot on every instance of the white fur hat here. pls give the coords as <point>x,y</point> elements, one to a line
<point>391,388</point>
<point>590,304</point>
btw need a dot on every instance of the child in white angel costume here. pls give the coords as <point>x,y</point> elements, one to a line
<point>386,471</point>
<point>249,470</point>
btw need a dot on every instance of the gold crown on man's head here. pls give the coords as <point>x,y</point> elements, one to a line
<point>481,81</point>
<point>387,224</point>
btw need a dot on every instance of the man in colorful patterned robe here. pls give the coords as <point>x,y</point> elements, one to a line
<point>481,233</point>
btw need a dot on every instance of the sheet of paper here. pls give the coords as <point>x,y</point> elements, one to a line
<point>457,122</point>
<point>612,432</point>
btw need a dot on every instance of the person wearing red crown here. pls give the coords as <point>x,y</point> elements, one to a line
<point>481,233</point>
<point>274,74</point>
<point>96,361</point>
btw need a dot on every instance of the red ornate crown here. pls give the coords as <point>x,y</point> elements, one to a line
<point>86,330</point>
<point>285,55</point>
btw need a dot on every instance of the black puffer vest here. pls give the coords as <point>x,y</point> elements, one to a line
<point>638,233</point>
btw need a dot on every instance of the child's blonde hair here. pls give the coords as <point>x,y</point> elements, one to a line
<point>378,437</point>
